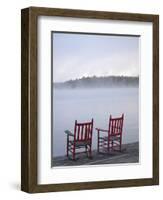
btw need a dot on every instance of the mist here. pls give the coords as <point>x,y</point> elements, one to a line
<point>99,82</point>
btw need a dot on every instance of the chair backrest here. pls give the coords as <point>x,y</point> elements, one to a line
<point>116,125</point>
<point>83,131</point>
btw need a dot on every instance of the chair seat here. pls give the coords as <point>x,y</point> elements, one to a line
<point>81,143</point>
<point>112,137</point>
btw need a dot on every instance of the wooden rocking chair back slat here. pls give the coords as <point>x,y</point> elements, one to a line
<point>83,131</point>
<point>116,125</point>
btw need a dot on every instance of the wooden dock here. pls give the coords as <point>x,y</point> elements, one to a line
<point>129,154</point>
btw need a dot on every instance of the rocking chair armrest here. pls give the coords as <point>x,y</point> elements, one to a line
<point>69,133</point>
<point>102,130</point>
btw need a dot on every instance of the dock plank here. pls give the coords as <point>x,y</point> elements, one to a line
<point>129,154</point>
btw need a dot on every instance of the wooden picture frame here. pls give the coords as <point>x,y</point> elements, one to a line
<point>29,110</point>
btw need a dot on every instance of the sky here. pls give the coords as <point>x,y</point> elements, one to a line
<point>82,55</point>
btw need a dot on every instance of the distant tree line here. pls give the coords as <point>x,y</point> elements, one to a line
<point>99,82</point>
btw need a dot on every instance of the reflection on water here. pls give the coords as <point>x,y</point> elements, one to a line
<point>84,104</point>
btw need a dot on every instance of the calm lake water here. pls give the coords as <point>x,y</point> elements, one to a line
<point>85,104</point>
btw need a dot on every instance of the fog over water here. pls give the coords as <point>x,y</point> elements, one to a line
<point>84,104</point>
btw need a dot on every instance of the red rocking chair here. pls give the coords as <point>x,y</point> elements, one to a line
<point>81,138</point>
<point>111,138</point>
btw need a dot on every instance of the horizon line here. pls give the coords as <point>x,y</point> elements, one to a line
<point>126,76</point>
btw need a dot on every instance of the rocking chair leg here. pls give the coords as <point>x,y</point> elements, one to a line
<point>90,151</point>
<point>112,145</point>
<point>67,152</point>
<point>98,150</point>
<point>108,146</point>
<point>67,145</point>
<point>67,149</point>
<point>120,144</point>
<point>86,150</point>
<point>73,155</point>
